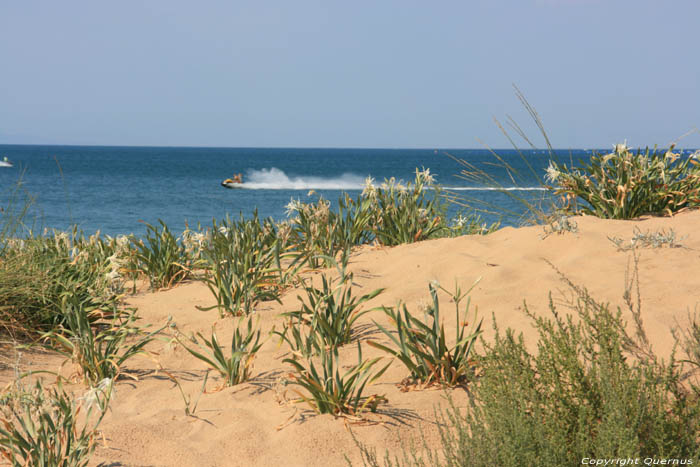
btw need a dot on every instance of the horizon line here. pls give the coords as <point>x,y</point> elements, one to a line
<point>393,148</point>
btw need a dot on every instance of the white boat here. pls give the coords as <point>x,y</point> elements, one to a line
<point>5,162</point>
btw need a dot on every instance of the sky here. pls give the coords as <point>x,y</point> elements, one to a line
<point>327,73</point>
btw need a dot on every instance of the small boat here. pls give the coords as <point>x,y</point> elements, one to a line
<point>5,162</point>
<point>235,182</point>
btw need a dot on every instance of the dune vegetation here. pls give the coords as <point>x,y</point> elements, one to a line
<point>593,387</point>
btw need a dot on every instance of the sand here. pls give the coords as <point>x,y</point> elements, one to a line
<point>256,424</point>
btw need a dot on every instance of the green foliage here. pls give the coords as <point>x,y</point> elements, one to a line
<point>422,345</point>
<point>407,213</point>
<point>319,234</point>
<point>161,257</point>
<point>469,223</point>
<point>689,339</point>
<point>45,429</point>
<point>37,271</point>
<point>245,261</point>
<point>330,311</point>
<point>391,214</point>
<point>235,367</point>
<point>329,392</point>
<point>98,347</point>
<point>625,185</point>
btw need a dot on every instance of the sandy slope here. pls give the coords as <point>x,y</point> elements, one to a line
<point>239,425</point>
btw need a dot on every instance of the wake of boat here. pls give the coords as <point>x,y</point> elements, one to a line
<point>275,179</point>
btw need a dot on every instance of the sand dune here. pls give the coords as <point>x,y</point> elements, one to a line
<point>241,425</point>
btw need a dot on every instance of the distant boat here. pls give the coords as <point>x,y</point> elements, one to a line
<point>235,182</point>
<point>5,162</point>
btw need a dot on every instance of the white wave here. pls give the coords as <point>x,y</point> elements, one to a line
<point>276,179</point>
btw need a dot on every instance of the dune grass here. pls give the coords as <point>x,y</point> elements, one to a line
<point>421,345</point>
<point>46,428</point>
<point>327,391</point>
<point>235,367</point>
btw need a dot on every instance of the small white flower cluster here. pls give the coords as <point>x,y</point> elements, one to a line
<point>620,148</point>
<point>294,205</point>
<point>98,394</point>
<point>552,173</point>
<point>194,242</point>
<point>369,191</point>
<point>424,176</point>
<point>117,260</point>
<point>459,221</point>
<point>61,240</point>
<point>393,185</point>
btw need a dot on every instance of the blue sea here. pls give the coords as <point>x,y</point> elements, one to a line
<point>114,189</point>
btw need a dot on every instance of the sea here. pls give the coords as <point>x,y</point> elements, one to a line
<point>116,190</point>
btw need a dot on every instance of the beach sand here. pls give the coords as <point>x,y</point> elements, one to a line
<point>256,423</point>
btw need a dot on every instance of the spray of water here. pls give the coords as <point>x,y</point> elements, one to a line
<point>275,179</point>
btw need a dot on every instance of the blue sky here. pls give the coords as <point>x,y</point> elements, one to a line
<point>348,73</point>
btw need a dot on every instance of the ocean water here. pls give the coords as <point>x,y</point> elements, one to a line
<point>114,188</point>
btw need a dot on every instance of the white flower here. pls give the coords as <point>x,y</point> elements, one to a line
<point>552,174</point>
<point>98,394</point>
<point>369,190</point>
<point>459,221</point>
<point>112,275</point>
<point>425,176</point>
<point>620,148</point>
<point>122,242</point>
<point>223,230</point>
<point>293,206</point>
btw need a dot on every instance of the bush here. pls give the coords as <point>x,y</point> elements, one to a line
<point>161,257</point>
<point>234,368</point>
<point>42,427</point>
<point>406,213</point>
<point>244,259</point>
<point>422,346</point>
<point>319,233</point>
<point>328,391</point>
<point>98,347</point>
<point>38,271</point>
<point>591,391</point>
<point>625,185</point>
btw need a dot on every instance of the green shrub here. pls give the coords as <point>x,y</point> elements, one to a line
<point>245,261</point>
<point>234,368</point>
<point>328,391</point>
<point>590,391</point>
<point>332,310</point>
<point>43,429</point>
<point>319,233</point>
<point>625,185</point>
<point>406,213</point>
<point>422,345</point>
<point>98,347</point>
<point>161,257</point>
<point>37,271</point>
<point>391,214</point>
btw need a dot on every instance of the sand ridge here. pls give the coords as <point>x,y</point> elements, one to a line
<point>240,425</point>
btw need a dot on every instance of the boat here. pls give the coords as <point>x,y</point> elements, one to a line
<point>5,162</point>
<point>235,182</point>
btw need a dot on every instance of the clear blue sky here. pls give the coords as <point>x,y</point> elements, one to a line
<point>358,73</point>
